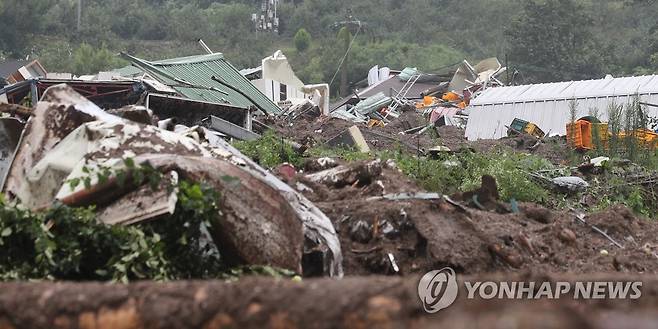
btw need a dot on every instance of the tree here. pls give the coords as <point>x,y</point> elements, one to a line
<point>552,41</point>
<point>19,20</point>
<point>302,40</point>
<point>87,60</point>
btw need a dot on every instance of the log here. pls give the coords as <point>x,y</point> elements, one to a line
<point>366,302</point>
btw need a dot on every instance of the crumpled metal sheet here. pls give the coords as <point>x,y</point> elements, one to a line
<point>317,226</point>
<point>264,221</point>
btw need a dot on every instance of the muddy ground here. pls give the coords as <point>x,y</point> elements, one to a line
<point>422,235</point>
<point>387,245</point>
<point>386,237</point>
<point>317,131</point>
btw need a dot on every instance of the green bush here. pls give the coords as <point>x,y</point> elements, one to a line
<point>70,244</point>
<point>269,151</point>
<point>302,40</point>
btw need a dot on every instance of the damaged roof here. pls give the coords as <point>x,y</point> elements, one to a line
<point>207,78</point>
<point>7,68</point>
<point>607,87</point>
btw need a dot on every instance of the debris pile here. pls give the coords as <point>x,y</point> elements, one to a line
<point>124,148</point>
<point>438,98</point>
<point>74,153</point>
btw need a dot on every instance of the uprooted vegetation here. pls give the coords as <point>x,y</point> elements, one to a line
<point>66,243</point>
<point>619,181</point>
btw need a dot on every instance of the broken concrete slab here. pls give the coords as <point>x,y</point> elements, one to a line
<point>143,203</point>
<point>351,137</point>
<point>61,111</point>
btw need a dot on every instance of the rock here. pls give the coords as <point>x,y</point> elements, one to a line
<point>573,184</point>
<point>388,230</point>
<point>286,172</point>
<point>320,164</point>
<point>567,236</point>
<point>361,231</point>
<point>537,213</point>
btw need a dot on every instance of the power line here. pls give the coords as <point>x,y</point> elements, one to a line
<point>346,53</point>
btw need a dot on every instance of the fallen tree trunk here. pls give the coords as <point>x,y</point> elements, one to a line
<point>372,302</point>
<point>342,176</point>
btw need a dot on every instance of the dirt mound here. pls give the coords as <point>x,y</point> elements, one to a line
<point>317,131</point>
<point>554,149</point>
<point>408,235</point>
<point>453,137</point>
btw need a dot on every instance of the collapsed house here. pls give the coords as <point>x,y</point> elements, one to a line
<point>440,98</point>
<point>549,105</point>
<point>14,71</point>
<point>276,79</point>
<point>198,90</point>
<point>390,83</point>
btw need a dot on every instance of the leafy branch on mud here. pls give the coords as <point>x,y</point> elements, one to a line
<point>65,243</point>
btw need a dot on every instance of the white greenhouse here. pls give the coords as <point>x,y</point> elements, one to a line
<point>548,105</point>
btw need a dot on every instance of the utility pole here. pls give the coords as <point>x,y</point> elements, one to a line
<point>345,34</point>
<point>79,15</point>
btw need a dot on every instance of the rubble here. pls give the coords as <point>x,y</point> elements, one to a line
<point>351,137</point>
<point>318,212</point>
<point>72,140</point>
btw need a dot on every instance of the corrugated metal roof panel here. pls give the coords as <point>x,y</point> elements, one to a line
<point>569,90</point>
<point>193,77</point>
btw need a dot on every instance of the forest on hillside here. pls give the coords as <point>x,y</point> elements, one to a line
<point>541,40</point>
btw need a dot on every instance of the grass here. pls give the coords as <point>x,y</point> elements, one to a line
<point>447,174</point>
<point>450,173</point>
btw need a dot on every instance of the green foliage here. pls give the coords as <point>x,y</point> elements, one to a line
<point>545,40</point>
<point>17,17</point>
<point>69,244</point>
<point>302,40</point>
<point>451,173</point>
<point>269,151</point>
<point>553,40</point>
<point>511,172</point>
<point>87,60</point>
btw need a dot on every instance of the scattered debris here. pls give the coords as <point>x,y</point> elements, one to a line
<point>574,184</point>
<point>351,137</point>
<point>71,140</point>
<point>361,231</point>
